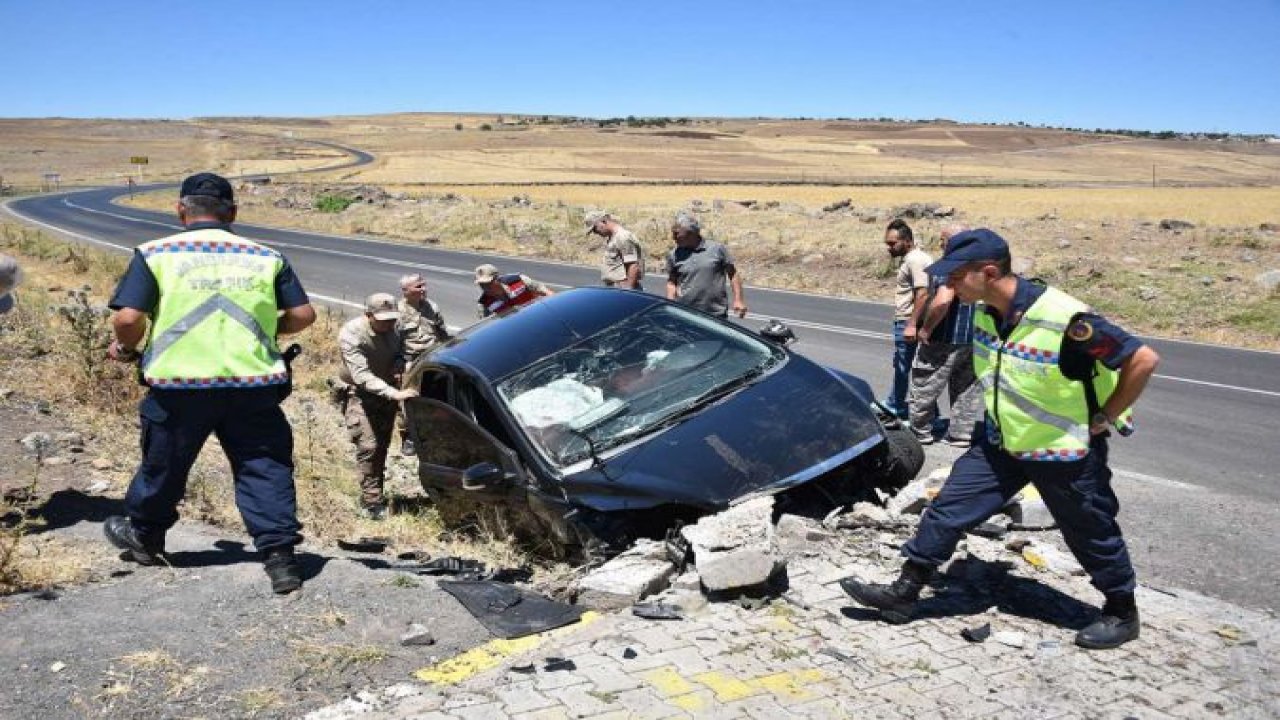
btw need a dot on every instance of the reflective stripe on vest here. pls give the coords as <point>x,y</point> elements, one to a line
<point>517,293</point>
<point>215,323</point>
<point>1038,413</point>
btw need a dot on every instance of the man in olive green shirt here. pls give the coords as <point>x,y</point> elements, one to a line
<point>623,262</point>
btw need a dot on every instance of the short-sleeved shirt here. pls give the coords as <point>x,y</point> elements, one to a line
<point>911,277</point>
<point>139,290</point>
<point>700,273</point>
<point>957,327</point>
<point>620,249</point>
<point>1102,340</point>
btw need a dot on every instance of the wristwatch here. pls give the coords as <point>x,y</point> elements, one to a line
<point>1100,418</point>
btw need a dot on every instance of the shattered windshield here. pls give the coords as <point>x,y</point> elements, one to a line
<point>635,377</point>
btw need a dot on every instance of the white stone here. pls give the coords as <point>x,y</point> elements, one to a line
<point>736,526</point>
<point>688,580</point>
<point>911,499</point>
<point>865,514</point>
<point>740,567</point>
<point>635,574</point>
<point>1011,638</point>
<point>417,635</point>
<point>1030,514</point>
<point>796,534</point>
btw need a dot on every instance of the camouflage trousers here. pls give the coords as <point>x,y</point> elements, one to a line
<point>948,367</point>
<point>370,422</point>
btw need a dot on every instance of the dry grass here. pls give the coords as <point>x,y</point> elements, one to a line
<point>59,365</point>
<point>1105,246</point>
<point>97,152</point>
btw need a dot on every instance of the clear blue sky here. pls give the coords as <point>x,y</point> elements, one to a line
<point>1176,64</point>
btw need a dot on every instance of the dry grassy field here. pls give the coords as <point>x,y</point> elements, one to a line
<point>1079,207</point>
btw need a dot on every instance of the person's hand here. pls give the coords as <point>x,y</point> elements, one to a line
<point>118,352</point>
<point>402,395</point>
<point>909,333</point>
<point>923,336</point>
<point>739,308</point>
<point>1099,423</point>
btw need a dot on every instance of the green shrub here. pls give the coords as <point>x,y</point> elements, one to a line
<point>333,203</point>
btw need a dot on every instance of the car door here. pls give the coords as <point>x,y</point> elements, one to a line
<point>449,441</point>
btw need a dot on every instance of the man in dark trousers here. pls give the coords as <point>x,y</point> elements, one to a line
<point>1058,378</point>
<point>699,269</point>
<point>205,307</point>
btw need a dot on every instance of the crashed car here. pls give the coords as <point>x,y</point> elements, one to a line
<point>598,415</point>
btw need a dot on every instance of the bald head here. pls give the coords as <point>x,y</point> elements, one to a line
<point>949,231</point>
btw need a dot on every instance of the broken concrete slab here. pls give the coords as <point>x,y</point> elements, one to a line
<point>865,514</point>
<point>631,576</point>
<point>736,548</point>
<point>737,526</point>
<point>799,534</point>
<point>913,498</point>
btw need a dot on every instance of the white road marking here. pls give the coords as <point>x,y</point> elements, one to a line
<point>453,271</point>
<point>1157,480</point>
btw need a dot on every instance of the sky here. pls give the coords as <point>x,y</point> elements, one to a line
<point>1141,64</point>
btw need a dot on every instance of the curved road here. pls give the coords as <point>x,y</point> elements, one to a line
<point>1199,478</point>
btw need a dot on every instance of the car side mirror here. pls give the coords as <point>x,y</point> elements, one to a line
<point>483,476</point>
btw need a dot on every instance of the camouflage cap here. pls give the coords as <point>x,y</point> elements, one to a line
<point>594,217</point>
<point>382,306</point>
<point>486,274</point>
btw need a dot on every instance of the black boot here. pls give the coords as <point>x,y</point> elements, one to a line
<point>121,533</point>
<point>283,569</point>
<point>894,601</point>
<point>1117,625</point>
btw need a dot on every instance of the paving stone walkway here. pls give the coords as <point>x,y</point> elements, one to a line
<point>812,653</point>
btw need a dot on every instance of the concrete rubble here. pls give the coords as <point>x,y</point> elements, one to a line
<point>737,548</point>
<point>631,576</point>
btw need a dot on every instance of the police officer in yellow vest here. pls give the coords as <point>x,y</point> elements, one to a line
<point>205,307</point>
<point>1057,379</point>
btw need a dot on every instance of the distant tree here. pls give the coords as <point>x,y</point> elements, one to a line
<point>457,126</point>
<point>486,127</point>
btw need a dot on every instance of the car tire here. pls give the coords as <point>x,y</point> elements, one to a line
<point>905,457</point>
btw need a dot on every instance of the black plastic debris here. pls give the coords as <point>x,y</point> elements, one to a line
<point>976,634</point>
<point>449,566</point>
<point>365,544</point>
<point>510,612</point>
<point>526,669</point>
<point>629,654</point>
<point>559,664</point>
<point>656,611</point>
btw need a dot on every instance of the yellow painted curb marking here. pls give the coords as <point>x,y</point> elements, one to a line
<point>692,702</point>
<point>493,653</point>
<point>727,689</point>
<point>790,684</point>
<point>668,682</point>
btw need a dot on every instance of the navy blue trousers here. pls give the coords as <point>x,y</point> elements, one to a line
<point>258,442</point>
<point>1078,494</point>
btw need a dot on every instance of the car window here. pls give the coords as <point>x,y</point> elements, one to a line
<point>446,438</point>
<point>631,379</point>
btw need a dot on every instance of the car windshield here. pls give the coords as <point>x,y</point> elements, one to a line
<point>631,379</point>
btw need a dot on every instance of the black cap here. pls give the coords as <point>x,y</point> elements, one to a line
<point>967,247</point>
<point>208,185</point>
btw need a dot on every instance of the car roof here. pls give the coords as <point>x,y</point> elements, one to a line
<point>499,346</point>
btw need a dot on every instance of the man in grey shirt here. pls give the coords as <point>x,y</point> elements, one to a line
<point>697,269</point>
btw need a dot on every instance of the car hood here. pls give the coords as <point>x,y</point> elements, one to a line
<point>787,428</point>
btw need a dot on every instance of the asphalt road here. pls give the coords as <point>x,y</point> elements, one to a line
<point>1203,465</point>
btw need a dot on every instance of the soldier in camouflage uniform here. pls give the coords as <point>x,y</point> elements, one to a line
<point>421,327</point>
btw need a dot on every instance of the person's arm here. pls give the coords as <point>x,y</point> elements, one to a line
<point>1134,374</point>
<point>673,281</point>
<point>135,298</point>
<point>735,285</point>
<point>361,376</point>
<point>919,291</point>
<point>298,314</point>
<point>633,274</point>
<point>935,312</point>
<point>632,259</point>
<point>296,319</point>
<point>130,328</point>
<point>539,288</point>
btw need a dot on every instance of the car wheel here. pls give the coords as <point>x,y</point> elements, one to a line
<point>905,457</point>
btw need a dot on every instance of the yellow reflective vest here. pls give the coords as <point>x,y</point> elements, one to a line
<point>215,324</point>
<point>1038,413</point>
